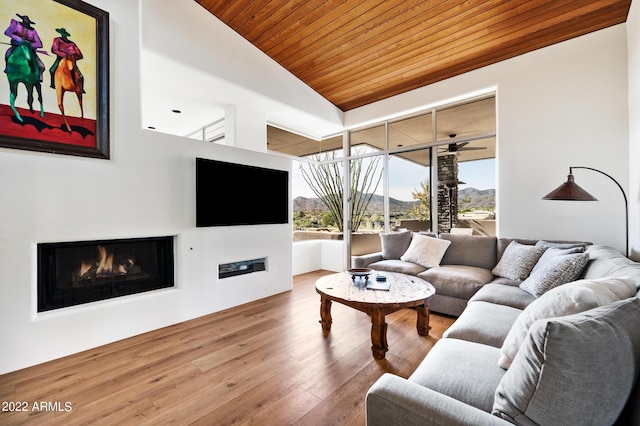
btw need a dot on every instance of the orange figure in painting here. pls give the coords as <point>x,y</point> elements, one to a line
<point>65,75</point>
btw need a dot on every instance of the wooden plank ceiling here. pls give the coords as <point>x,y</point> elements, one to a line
<point>354,52</point>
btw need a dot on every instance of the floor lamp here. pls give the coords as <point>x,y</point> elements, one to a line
<point>571,191</point>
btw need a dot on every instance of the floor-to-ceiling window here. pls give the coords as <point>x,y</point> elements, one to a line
<point>431,171</point>
<point>425,158</point>
<point>365,201</point>
<point>317,182</point>
<point>409,191</point>
<point>466,136</point>
<point>409,178</point>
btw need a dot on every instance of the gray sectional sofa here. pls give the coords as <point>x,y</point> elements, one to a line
<point>522,351</point>
<point>465,267</point>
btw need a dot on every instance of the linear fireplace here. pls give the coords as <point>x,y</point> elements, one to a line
<point>73,273</point>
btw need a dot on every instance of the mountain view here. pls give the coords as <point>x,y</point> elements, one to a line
<point>468,198</point>
<point>477,198</point>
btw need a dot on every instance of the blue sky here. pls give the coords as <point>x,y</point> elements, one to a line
<point>479,174</point>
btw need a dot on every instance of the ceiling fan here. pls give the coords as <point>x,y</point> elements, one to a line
<point>452,148</point>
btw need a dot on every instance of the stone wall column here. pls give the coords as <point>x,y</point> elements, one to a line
<point>447,191</point>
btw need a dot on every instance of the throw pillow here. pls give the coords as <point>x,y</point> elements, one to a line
<point>568,299</point>
<point>395,244</point>
<point>565,245</point>
<point>556,271</point>
<point>517,261</point>
<point>574,370</point>
<point>425,251</point>
<point>552,252</point>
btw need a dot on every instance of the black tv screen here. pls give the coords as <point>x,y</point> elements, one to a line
<point>236,194</point>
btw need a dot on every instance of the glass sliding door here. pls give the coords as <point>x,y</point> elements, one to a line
<point>318,195</point>
<point>477,196</point>
<point>366,203</point>
<point>409,178</point>
<point>430,171</point>
<point>366,197</point>
<point>410,190</point>
<point>466,138</point>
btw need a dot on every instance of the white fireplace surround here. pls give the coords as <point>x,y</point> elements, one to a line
<point>72,273</point>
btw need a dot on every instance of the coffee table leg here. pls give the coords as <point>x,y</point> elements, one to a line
<point>378,335</point>
<point>325,313</point>
<point>423,320</point>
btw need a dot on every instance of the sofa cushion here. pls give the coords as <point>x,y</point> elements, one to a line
<point>500,294</point>
<point>518,260</point>
<point>470,250</point>
<point>568,299</point>
<point>483,322</point>
<point>578,369</point>
<point>457,280</point>
<point>603,260</point>
<point>556,271</point>
<point>391,265</point>
<point>447,305</point>
<point>394,244</point>
<point>425,251</point>
<point>606,261</point>
<point>473,380</point>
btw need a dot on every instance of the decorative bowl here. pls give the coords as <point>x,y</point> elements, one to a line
<point>360,272</point>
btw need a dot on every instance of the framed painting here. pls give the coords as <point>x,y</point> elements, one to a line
<point>54,94</point>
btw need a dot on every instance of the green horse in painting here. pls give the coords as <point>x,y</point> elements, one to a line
<point>22,67</point>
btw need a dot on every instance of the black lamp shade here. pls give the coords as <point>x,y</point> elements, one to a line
<point>569,191</point>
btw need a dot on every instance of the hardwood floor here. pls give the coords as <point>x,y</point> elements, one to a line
<point>266,362</point>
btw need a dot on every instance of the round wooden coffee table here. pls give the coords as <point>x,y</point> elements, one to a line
<point>405,291</point>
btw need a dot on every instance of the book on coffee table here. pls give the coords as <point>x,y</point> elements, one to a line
<point>372,284</point>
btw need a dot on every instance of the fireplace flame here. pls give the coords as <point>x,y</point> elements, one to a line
<point>105,265</point>
<point>105,262</point>
<point>84,268</point>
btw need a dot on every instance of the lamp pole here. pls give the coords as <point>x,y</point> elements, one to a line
<point>626,203</point>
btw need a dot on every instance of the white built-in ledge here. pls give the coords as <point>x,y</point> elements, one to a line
<point>226,270</point>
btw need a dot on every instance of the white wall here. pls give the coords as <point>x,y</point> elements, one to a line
<point>633,37</point>
<point>146,189</point>
<point>565,105</point>
<point>197,45</point>
<point>312,255</point>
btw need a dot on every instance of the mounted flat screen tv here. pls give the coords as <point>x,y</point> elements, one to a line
<point>230,194</point>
